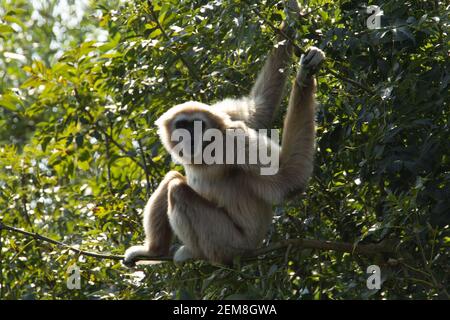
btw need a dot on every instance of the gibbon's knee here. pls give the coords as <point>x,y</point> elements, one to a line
<point>177,188</point>
<point>172,174</point>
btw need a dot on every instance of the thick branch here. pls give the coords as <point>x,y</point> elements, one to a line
<point>363,249</point>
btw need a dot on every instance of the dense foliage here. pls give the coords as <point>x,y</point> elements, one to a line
<point>79,154</point>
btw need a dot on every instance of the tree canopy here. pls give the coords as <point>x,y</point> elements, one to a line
<point>80,156</point>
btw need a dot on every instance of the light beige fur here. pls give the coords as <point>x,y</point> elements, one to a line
<point>219,211</point>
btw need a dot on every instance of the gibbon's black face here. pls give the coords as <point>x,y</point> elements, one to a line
<point>182,130</point>
<point>194,125</point>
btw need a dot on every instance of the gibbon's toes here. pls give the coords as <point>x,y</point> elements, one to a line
<point>130,263</point>
<point>132,255</point>
<point>129,259</point>
<point>312,59</point>
<point>183,254</point>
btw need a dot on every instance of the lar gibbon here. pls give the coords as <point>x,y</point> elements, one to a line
<point>219,211</point>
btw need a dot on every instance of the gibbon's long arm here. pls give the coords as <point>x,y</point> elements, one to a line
<point>266,94</point>
<point>297,148</point>
<point>258,108</point>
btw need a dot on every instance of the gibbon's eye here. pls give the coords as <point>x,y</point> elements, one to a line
<point>184,124</point>
<point>189,124</point>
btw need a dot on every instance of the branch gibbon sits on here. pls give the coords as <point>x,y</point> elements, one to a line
<point>219,211</point>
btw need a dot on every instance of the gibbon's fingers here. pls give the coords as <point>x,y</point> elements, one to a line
<point>310,62</point>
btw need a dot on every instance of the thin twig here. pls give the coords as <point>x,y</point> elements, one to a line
<point>104,132</point>
<point>37,236</point>
<point>166,36</point>
<point>277,30</point>
<point>144,161</point>
<point>366,249</point>
<point>353,82</point>
<point>427,266</point>
<point>108,165</point>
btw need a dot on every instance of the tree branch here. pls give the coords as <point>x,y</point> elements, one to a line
<point>37,236</point>
<point>362,249</point>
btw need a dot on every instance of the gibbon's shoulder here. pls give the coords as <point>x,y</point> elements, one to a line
<point>236,109</point>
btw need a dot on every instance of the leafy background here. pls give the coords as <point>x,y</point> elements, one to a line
<point>82,82</point>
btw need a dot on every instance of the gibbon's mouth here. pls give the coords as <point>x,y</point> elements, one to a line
<point>193,149</point>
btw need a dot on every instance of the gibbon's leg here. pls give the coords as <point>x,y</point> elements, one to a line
<point>297,149</point>
<point>158,233</point>
<point>205,230</point>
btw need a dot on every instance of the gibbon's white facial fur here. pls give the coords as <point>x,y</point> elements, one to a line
<point>189,112</point>
<point>220,211</point>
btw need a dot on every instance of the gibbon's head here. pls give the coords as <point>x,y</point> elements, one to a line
<point>181,129</point>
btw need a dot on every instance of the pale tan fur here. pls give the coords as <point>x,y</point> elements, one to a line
<point>219,211</point>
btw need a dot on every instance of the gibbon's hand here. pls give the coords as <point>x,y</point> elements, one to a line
<point>310,63</point>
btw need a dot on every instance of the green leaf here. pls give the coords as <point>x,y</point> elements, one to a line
<point>9,101</point>
<point>5,29</point>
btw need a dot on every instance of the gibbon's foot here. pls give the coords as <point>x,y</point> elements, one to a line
<point>183,254</point>
<point>310,62</point>
<point>132,255</point>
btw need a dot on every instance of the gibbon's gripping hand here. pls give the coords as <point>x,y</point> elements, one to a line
<point>310,63</point>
